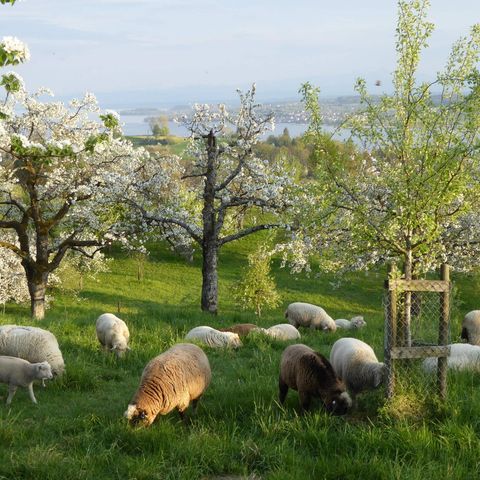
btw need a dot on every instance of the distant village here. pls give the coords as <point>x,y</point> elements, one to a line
<point>334,111</point>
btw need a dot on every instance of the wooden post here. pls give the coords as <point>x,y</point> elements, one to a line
<point>390,336</point>
<point>443,332</point>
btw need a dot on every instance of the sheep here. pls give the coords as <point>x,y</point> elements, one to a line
<point>471,327</point>
<point>283,331</point>
<point>356,364</point>
<point>463,356</point>
<point>112,333</point>
<point>308,315</point>
<point>33,344</point>
<point>171,380</point>
<point>214,338</point>
<point>242,329</point>
<point>354,323</point>
<point>17,372</point>
<point>312,375</point>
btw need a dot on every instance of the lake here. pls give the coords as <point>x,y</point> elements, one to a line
<point>136,125</point>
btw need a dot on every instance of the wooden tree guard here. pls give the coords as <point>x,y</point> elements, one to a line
<point>393,351</point>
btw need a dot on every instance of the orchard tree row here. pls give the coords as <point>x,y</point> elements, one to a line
<point>406,189</point>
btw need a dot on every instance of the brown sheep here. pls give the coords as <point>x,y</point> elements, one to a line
<point>171,380</point>
<point>312,375</point>
<point>241,329</point>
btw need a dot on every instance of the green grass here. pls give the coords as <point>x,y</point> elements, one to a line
<point>77,431</point>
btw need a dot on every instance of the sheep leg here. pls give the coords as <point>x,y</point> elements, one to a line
<point>30,391</point>
<point>283,390</point>
<point>304,401</point>
<point>195,404</point>
<point>11,392</point>
<point>186,420</point>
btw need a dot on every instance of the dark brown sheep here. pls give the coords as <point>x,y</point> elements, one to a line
<point>242,329</point>
<point>312,375</point>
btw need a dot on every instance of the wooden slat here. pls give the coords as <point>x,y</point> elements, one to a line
<point>420,352</point>
<point>401,285</point>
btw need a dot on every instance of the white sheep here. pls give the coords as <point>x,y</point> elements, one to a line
<point>171,380</point>
<point>33,344</point>
<point>471,327</point>
<point>112,333</point>
<point>17,372</point>
<point>308,315</point>
<point>354,323</point>
<point>282,331</point>
<point>463,356</point>
<point>356,364</point>
<point>214,338</point>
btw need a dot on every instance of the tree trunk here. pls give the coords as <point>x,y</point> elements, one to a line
<point>408,302</point>
<point>210,277</point>
<point>37,286</point>
<point>210,232</point>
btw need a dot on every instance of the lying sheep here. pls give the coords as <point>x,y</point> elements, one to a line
<point>171,380</point>
<point>354,323</point>
<point>241,329</point>
<point>308,315</point>
<point>462,357</point>
<point>356,364</point>
<point>282,331</point>
<point>112,333</point>
<point>17,372</point>
<point>471,327</point>
<point>33,344</point>
<point>312,375</point>
<point>214,338</point>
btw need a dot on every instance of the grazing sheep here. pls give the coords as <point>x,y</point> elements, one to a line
<point>356,364</point>
<point>283,331</point>
<point>214,338</point>
<point>171,380</point>
<point>112,333</point>
<point>354,323</point>
<point>308,315</point>
<point>241,329</point>
<point>462,357</point>
<point>471,327</point>
<point>33,344</point>
<point>312,375</point>
<point>17,372</point>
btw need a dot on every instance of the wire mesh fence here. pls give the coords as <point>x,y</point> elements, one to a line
<point>417,332</point>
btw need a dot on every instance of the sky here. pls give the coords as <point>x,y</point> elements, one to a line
<point>141,52</point>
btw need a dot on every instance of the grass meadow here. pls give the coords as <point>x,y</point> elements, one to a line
<point>77,430</point>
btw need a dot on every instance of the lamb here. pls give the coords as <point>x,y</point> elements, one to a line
<point>242,329</point>
<point>471,327</point>
<point>354,323</point>
<point>283,331</point>
<point>112,333</point>
<point>17,372</point>
<point>171,380</point>
<point>312,375</point>
<point>463,356</point>
<point>214,338</point>
<point>308,315</point>
<point>33,344</point>
<point>356,364</point>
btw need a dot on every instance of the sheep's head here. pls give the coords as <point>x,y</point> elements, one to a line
<point>120,347</point>
<point>138,416</point>
<point>329,327</point>
<point>233,339</point>
<point>43,371</point>
<point>338,403</point>
<point>379,375</point>
<point>358,322</point>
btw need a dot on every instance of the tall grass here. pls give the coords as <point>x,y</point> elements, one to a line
<point>77,431</point>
